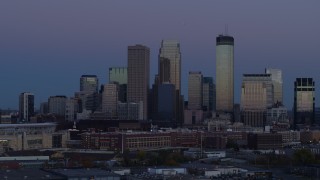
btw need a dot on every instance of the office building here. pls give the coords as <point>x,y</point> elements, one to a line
<point>120,76</point>
<point>138,76</point>
<point>224,73</point>
<point>72,108</point>
<point>304,102</point>
<point>26,106</point>
<point>110,100</point>
<point>169,70</point>
<point>256,98</point>
<point>195,91</point>
<point>165,112</point>
<point>44,109</point>
<point>170,63</point>
<point>130,111</point>
<point>89,83</point>
<point>208,94</point>
<point>57,105</point>
<point>276,76</point>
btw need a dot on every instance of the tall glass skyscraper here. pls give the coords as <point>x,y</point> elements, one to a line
<point>170,50</point>
<point>120,75</point>
<point>256,98</point>
<point>304,101</point>
<point>26,106</point>
<point>276,76</point>
<point>170,71</point>
<point>195,91</point>
<point>138,76</point>
<point>89,83</point>
<point>208,94</point>
<point>224,73</point>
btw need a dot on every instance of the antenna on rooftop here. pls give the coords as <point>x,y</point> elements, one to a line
<point>226,29</point>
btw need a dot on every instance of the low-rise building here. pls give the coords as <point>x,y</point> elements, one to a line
<point>26,136</point>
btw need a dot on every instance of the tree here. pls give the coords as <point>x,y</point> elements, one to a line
<point>303,157</point>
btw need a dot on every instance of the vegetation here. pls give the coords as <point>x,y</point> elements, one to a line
<point>303,157</point>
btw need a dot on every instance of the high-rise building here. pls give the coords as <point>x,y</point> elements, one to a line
<point>208,94</point>
<point>44,109</point>
<point>165,115</point>
<point>72,107</point>
<point>110,100</point>
<point>26,106</point>
<point>170,63</point>
<point>120,76</point>
<point>224,73</point>
<point>169,70</point>
<point>276,76</point>
<point>304,102</point>
<point>256,98</point>
<point>195,91</point>
<point>57,105</point>
<point>138,76</point>
<point>89,83</point>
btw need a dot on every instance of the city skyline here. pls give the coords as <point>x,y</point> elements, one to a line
<point>32,63</point>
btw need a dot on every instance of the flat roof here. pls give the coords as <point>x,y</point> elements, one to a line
<point>84,172</point>
<point>25,158</point>
<point>29,173</point>
<point>27,125</point>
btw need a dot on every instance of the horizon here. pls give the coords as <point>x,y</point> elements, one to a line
<point>45,47</point>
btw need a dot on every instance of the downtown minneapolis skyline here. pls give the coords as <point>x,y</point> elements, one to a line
<point>46,46</point>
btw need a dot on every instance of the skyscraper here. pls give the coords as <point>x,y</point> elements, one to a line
<point>208,94</point>
<point>138,76</point>
<point>120,76</point>
<point>304,101</point>
<point>170,56</point>
<point>256,97</point>
<point>276,76</point>
<point>26,106</point>
<point>89,83</point>
<point>110,100</point>
<point>57,105</point>
<point>224,73</point>
<point>195,91</point>
<point>169,70</point>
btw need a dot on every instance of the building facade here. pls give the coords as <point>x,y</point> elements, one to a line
<point>89,83</point>
<point>26,106</point>
<point>304,102</point>
<point>195,91</point>
<point>120,76</point>
<point>165,112</point>
<point>57,105</point>
<point>170,57</point>
<point>256,98</point>
<point>110,100</point>
<point>72,108</point>
<point>276,76</point>
<point>18,137</point>
<point>208,94</point>
<point>138,76</point>
<point>169,70</point>
<point>224,73</point>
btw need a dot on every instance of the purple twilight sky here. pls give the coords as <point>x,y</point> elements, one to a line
<point>45,46</point>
